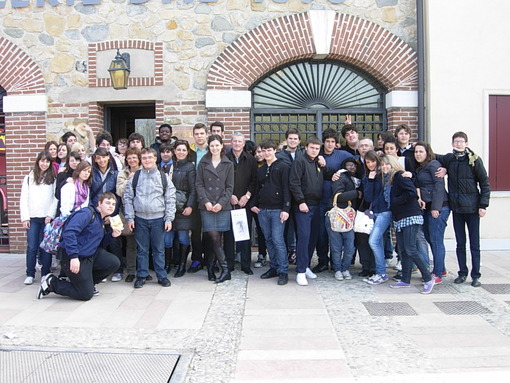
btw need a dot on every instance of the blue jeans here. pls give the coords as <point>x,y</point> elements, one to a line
<point>307,231</point>
<point>149,233</point>
<point>376,240</point>
<point>388,245</point>
<point>34,238</point>
<point>472,221</point>
<point>422,246</point>
<point>273,230</point>
<point>182,236</point>
<point>406,240</point>
<point>433,229</point>
<point>341,247</point>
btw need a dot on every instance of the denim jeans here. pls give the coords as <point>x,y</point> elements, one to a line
<point>34,238</point>
<point>388,245</point>
<point>434,229</point>
<point>341,247</point>
<point>422,246</point>
<point>273,230</point>
<point>407,244</point>
<point>307,231</point>
<point>376,240</point>
<point>472,221</point>
<point>182,236</point>
<point>149,233</point>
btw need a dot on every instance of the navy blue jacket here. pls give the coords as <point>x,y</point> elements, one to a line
<point>373,192</point>
<point>80,237</point>
<point>404,199</point>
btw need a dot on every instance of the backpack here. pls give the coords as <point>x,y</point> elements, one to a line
<point>53,231</point>
<point>164,181</point>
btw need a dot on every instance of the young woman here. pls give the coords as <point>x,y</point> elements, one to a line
<point>373,188</point>
<point>62,154</point>
<point>342,244</point>
<point>215,184</point>
<point>401,194</point>
<point>65,174</point>
<point>184,180</point>
<point>75,193</point>
<point>37,208</point>
<point>132,162</point>
<point>77,147</point>
<point>52,148</point>
<point>390,148</point>
<point>434,200</point>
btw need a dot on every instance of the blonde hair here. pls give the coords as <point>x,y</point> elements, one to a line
<point>395,166</point>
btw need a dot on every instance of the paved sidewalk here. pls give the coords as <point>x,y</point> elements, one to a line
<point>249,330</point>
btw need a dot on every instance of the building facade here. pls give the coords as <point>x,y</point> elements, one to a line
<point>259,66</point>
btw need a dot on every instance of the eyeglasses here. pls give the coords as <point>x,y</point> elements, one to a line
<point>350,166</point>
<point>459,141</point>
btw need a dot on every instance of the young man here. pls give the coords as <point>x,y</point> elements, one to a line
<point>405,148</point>
<point>333,159</point>
<point>469,190</point>
<point>150,210</point>
<point>83,257</point>
<point>245,178</point>
<point>350,135</point>
<point>198,244</point>
<point>272,204</point>
<point>293,149</point>
<point>105,140</point>
<point>217,128</point>
<point>164,137</point>
<point>136,140</point>
<point>306,181</point>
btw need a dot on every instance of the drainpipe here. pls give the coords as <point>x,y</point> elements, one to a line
<point>421,70</point>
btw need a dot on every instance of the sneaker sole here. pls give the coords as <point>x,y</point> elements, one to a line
<point>399,287</point>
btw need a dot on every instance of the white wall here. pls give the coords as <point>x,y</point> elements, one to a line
<point>467,58</point>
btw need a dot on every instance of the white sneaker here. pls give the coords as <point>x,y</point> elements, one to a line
<point>388,263</point>
<point>339,276</point>
<point>398,266</point>
<point>29,280</point>
<point>104,280</point>
<point>116,277</point>
<point>309,274</point>
<point>301,279</point>
<point>346,275</point>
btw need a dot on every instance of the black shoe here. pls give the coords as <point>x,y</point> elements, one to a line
<point>271,273</point>
<point>476,282</point>
<point>247,270</point>
<point>224,276</point>
<point>130,278</point>
<point>460,279</point>
<point>398,276</point>
<point>320,268</point>
<point>195,266</point>
<point>364,273</point>
<point>165,282</point>
<point>149,278</point>
<point>47,285</point>
<point>283,278</point>
<point>139,282</point>
<point>181,270</point>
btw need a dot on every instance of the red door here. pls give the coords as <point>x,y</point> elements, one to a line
<point>499,142</point>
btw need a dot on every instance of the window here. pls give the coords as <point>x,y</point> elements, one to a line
<point>499,137</point>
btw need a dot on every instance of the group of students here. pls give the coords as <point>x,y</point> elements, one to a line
<point>174,197</point>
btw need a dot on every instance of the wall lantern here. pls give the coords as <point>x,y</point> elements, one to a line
<point>119,70</point>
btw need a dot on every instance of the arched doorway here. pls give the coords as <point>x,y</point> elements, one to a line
<point>312,96</point>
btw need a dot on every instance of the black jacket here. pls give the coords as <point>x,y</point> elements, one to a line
<point>184,179</point>
<point>272,190</point>
<point>463,183</point>
<point>245,173</point>
<point>215,184</point>
<point>286,156</point>
<point>306,180</point>
<point>345,185</point>
<point>404,199</point>
<point>432,189</point>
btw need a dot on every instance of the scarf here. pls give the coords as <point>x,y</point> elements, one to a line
<point>81,193</point>
<point>387,190</point>
<point>472,156</point>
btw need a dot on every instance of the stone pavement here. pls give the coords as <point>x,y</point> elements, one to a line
<point>249,330</point>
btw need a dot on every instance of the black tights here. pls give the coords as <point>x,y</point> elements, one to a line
<point>217,249</point>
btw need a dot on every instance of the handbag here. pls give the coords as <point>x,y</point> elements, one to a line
<point>364,221</point>
<point>240,225</point>
<point>181,198</point>
<point>341,220</point>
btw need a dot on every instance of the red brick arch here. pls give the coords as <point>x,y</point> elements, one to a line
<point>19,74</point>
<point>355,41</point>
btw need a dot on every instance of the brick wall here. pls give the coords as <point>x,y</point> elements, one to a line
<point>408,116</point>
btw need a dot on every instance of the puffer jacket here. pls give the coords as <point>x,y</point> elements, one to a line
<point>464,181</point>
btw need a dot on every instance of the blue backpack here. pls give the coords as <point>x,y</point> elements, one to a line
<point>53,231</point>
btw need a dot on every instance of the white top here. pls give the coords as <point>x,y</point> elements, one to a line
<point>37,201</point>
<point>67,198</point>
